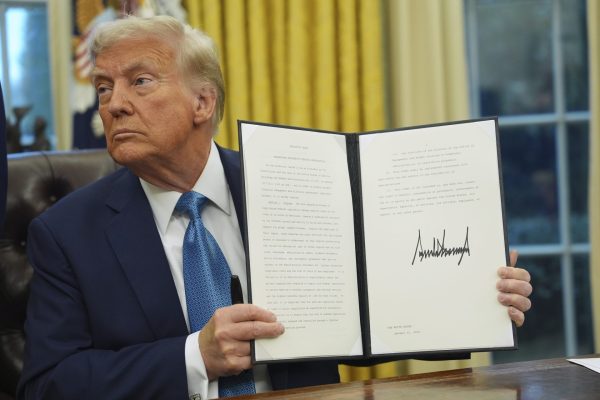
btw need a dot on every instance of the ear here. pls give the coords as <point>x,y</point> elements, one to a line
<point>205,103</point>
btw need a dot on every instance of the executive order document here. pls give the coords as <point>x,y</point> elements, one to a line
<point>375,244</point>
<point>301,241</point>
<point>434,238</point>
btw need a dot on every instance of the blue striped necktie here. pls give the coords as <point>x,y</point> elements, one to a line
<point>207,281</point>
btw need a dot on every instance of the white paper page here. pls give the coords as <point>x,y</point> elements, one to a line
<point>591,363</point>
<point>301,241</point>
<point>427,193</point>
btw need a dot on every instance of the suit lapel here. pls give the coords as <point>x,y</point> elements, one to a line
<point>231,165</point>
<point>136,243</point>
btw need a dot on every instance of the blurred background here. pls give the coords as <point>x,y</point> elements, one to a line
<point>358,65</point>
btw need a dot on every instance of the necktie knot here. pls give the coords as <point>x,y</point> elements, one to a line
<point>191,203</point>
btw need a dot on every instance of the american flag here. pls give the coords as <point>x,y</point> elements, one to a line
<point>89,14</point>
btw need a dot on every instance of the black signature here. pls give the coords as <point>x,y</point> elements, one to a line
<point>439,249</point>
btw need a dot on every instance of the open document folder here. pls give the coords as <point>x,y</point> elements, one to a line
<point>376,244</point>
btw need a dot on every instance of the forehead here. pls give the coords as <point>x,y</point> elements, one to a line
<point>131,54</point>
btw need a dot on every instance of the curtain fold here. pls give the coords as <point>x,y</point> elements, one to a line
<point>370,31</point>
<point>311,63</point>
<point>326,62</point>
<point>427,75</point>
<point>59,41</point>
<point>593,14</point>
<point>320,64</point>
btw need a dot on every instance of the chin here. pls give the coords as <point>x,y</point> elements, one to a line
<point>127,155</point>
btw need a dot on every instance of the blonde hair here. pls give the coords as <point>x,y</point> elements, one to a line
<point>196,53</point>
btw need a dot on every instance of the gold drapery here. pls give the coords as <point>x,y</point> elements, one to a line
<point>319,64</point>
<point>427,77</point>
<point>310,63</point>
<point>593,14</point>
<point>428,73</point>
<point>59,41</point>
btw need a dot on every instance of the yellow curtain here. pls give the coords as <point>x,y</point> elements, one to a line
<point>310,63</point>
<point>593,14</point>
<point>427,61</point>
<point>319,64</point>
<point>59,41</point>
<point>427,77</point>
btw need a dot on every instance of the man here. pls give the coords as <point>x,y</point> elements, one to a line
<point>110,315</point>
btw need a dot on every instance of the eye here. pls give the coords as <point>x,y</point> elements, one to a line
<point>142,81</point>
<point>102,89</point>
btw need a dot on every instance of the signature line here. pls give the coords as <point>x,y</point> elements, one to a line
<point>438,249</point>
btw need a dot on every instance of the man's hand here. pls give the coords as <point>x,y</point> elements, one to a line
<point>225,339</point>
<point>514,290</point>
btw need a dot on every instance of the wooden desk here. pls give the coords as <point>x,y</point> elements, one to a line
<point>533,380</point>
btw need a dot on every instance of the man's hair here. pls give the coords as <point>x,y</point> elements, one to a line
<point>195,51</point>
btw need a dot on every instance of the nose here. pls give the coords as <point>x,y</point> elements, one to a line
<point>119,103</point>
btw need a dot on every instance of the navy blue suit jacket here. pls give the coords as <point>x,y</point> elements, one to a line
<point>104,319</point>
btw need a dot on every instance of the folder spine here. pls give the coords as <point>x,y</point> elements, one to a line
<point>353,155</point>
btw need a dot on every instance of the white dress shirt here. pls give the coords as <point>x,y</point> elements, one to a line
<point>220,218</point>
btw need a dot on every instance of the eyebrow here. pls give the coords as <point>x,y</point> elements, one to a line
<point>127,69</point>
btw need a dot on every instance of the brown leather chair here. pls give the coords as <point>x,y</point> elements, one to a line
<point>35,181</point>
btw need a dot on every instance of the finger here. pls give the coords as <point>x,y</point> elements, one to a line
<point>515,286</point>
<point>517,316</point>
<point>513,256</point>
<point>519,302</point>
<point>250,330</point>
<point>236,365</point>
<point>243,312</point>
<point>514,273</point>
<point>223,355</point>
<point>236,348</point>
<point>251,312</point>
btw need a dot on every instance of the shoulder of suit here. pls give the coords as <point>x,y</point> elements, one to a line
<point>89,195</point>
<point>230,155</point>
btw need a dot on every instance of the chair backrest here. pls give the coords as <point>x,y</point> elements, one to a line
<point>35,181</point>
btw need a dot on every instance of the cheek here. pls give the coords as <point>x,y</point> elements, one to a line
<point>179,129</point>
<point>169,118</point>
<point>176,120</point>
<point>105,117</point>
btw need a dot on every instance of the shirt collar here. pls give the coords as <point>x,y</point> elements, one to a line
<point>211,183</point>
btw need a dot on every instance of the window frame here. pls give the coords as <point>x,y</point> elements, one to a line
<point>4,5</point>
<point>560,119</point>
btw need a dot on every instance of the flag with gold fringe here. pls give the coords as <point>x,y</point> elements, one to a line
<point>88,15</point>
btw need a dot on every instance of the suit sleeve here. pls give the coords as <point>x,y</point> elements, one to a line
<point>61,359</point>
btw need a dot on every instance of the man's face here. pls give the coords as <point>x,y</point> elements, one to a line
<point>147,112</point>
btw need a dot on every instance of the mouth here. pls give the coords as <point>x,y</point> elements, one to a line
<point>122,134</point>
